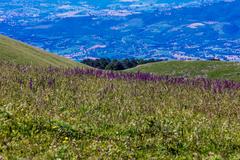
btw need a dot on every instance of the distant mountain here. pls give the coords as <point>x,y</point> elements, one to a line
<point>20,53</point>
<point>200,29</point>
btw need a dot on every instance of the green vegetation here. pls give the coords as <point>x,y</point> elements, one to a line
<point>59,113</point>
<point>209,69</point>
<point>108,64</point>
<point>46,113</point>
<point>20,53</point>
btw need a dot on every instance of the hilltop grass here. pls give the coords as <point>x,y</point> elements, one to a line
<point>47,114</point>
<point>17,52</point>
<point>208,69</point>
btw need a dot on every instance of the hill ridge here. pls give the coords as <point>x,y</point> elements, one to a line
<point>18,52</point>
<point>207,69</point>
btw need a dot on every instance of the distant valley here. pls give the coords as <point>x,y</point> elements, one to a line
<point>157,29</point>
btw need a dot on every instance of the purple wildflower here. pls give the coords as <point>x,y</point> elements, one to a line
<point>31,84</point>
<point>51,82</point>
<point>203,83</point>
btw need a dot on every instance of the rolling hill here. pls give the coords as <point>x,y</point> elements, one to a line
<point>208,69</point>
<point>20,53</point>
<point>75,113</point>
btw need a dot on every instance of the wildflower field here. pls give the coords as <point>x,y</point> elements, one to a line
<point>54,113</point>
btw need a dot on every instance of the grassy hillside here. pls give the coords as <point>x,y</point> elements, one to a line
<point>59,113</point>
<point>20,53</point>
<point>209,69</point>
<point>49,113</point>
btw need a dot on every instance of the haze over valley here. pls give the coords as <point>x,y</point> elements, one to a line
<point>181,30</point>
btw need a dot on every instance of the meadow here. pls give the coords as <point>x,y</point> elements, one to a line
<point>208,69</point>
<point>59,113</point>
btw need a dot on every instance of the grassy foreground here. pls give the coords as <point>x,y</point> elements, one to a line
<point>49,113</point>
<point>209,69</point>
<point>20,53</point>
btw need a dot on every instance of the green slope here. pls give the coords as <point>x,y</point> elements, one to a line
<point>210,69</point>
<point>20,53</point>
<point>48,115</point>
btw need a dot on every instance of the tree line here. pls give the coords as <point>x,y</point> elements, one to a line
<point>115,64</point>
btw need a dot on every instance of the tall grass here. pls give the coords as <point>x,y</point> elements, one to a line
<point>52,113</point>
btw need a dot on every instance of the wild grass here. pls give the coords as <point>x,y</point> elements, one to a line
<point>207,69</point>
<point>51,113</point>
<point>17,52</point>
